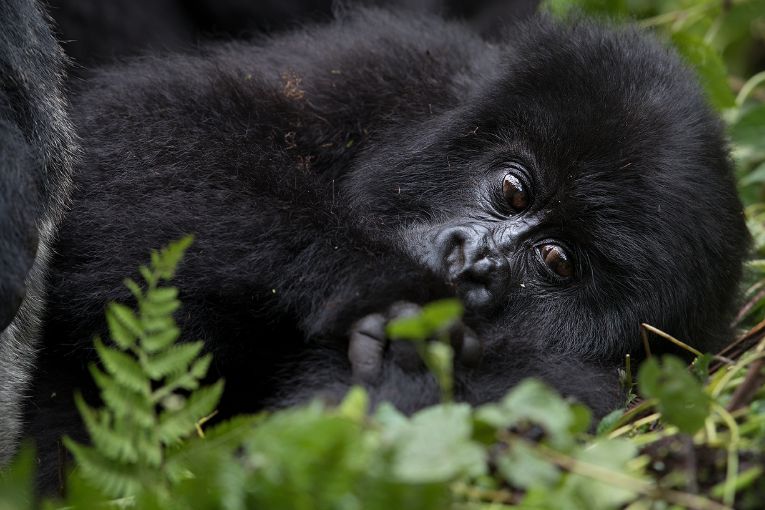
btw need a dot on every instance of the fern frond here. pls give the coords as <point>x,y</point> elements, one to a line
<point>173,360</point>
<point>114,478</point>
<point>174,425</point>
<point>124,368</point>
<point>107,440</point>
<point>122,401</point>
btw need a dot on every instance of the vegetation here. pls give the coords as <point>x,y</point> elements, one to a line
<point>688,437</point>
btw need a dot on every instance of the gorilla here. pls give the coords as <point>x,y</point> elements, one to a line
<point>97,32</point>
<point>37,148</point>
<point>565,184</point>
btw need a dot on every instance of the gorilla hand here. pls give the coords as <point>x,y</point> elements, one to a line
<point>369,345</point>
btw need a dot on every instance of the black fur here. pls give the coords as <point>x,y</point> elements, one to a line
<point>36,150</point>
<point>95,32</point>
<point>330,172</point>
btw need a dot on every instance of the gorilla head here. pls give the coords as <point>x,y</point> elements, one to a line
<point>582,188</point>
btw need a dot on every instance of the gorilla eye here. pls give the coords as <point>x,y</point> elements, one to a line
<point>557,260</point>
<point>515,193</point>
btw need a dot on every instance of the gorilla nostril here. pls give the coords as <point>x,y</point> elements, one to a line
<point>483,270</point>
<point>451,246</point>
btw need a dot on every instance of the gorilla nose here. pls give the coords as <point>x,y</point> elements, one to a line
<point>470,257</point>
<point>484,269</point>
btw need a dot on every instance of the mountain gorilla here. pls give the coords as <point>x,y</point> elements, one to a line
<point>566,185</point>
<point>37,145</point>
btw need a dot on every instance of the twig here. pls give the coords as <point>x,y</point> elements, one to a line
<point>646,345</point>
<point>729,490</point>
<point>749,305</point>
<point>682,344</point>
<point>753,381</point>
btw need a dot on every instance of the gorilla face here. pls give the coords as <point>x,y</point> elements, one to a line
<point>565,208</point>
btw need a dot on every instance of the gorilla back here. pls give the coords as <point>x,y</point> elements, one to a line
<point>566,186</point>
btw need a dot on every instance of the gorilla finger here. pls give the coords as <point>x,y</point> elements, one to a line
<point>456,334</point>
<point>366,348</point>
<point>471,349</point>
<point>404,354</point>
<point>402,309</point>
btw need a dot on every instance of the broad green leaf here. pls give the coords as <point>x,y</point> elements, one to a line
<point>408,328</point>
<point>436,446</point>
<point>355,404</point>
<point>440,315</point>
<point>681,399</point>
<point>522,466</point>
<point>535,403</point>
<point>612,456</point>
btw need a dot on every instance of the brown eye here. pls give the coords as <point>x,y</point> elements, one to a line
<point>557,260</point>
<point>515,193</point>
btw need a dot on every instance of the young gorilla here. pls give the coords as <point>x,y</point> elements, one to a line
<point>566,186</point>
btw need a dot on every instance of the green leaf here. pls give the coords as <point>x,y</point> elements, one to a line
<point>173,360</point>
<point>159,338</point>
<point>175,425</point>
<point>436,446</point>
<point>355,404</point>
<point>199,368</point>
<point>709,66</point>
<point>133,287</point>
<point>609,421</point>
<point>434,318</point>
<point>17,481</point>
<point>113,478</point>
<point>522,466</point>
<point>124,326</point>
<point>738,20</point>
<point>123,368</point>
<point>408,328</point>
<point>108,441</point>
<point>159,309</point>
<point>613,456</point>
<point>122,401</point>
<point>441,315</point>
<point>756,176</point>
<point>167,259</point>
<point>681,399</point>
<point>749,130</point>
<point>535,403</point>
<point>162,295</point>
